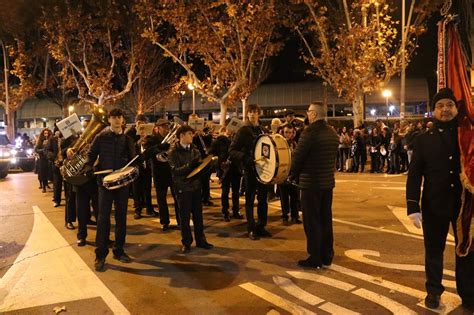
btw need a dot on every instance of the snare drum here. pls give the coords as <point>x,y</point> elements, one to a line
<point>272,156</point>
<point>120,178</point>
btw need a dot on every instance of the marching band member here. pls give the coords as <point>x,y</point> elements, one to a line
<point>202,140</point>
<point>113,150</point>
<point>241,151</point>
<point>228,173</point>
<point>53,154</point>
<point>183,159</point>
<point>313,166</point>
<point>289,194</point>
<point>161,173</point>
<point>141,187</point>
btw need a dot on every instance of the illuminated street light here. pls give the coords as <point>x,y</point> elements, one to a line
<point>191,87</point>
<point>70,109</point>
<point>387,94</point>
<point>373,112</point>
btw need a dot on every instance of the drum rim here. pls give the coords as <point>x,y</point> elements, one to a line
<point>277,157</point>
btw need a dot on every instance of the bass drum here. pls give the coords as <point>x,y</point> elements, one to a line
<point>272,156</point>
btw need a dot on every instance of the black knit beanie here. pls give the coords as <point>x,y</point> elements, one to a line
<point>443,93</point>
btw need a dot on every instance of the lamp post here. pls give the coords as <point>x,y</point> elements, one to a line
<point>180,103</point>
<point>191,87</point>
<point>387,94</point>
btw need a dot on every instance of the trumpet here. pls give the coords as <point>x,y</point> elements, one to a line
<point>171,139</point>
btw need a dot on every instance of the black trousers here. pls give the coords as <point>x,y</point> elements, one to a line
<point>435,230</point>
<point>374,162</point>
<point>119,198</point>
<point>254,187</point>
<point>57,184</point>
<point>232,180</point>
<point>190,203</point>
<point>161,187</point>
<point>289,195</point>
<point>70,194</point>
<point>206,186</point>
<point>141,188</point>
<point>317,222</point>
<point>86,195</point>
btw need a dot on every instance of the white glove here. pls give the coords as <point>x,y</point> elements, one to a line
<point>416,219</point>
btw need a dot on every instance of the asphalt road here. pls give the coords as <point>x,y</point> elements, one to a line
<point>378,267</point>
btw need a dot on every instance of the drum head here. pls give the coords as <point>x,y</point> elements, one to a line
<point>119,174</point>
<point>265,159</point>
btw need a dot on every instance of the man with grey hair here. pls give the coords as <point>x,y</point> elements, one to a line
<point>313,167</point>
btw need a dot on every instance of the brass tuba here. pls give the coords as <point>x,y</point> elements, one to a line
<point>73,168</point>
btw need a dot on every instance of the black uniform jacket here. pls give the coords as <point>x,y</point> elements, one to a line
<point>314,160</point>
<point>184,161</point>
<point>153,146</point>
<point>242,146</point>
<point>435,161</point>
<point>114,150</point>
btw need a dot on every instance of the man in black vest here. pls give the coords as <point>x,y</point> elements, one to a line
<point>436,163</point>
<point>114,150</point>
<point>241,152</point>
<point>313,166</point>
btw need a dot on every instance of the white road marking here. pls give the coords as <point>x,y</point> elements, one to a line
<point>367,181</point>
<point>336,309</point>
<point>49,271</point>
<point>391,305</point>
<point>450,300</point>
<point>359,255</point>
<point>401,214</point>
<point>291,288</point>
<point>383,230</point>
<point>275,299</point>
<point>322,279</point>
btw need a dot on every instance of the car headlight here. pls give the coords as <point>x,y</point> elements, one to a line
<point>29,151</point>
<point>13,152</point>
<point>13,160</point>
<point>5,154</point>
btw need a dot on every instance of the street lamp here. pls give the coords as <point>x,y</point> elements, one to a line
<point>191,87</point>
<point>387,94</point>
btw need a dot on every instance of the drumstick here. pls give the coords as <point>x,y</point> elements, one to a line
<point>103,172</point>
<point>128,164</point>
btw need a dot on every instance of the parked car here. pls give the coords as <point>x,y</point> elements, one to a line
<point>5,155</point>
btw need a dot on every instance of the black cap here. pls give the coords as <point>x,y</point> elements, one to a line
<point>444,93</point>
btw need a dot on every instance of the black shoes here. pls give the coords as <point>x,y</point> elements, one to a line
<point>284,221</point>
<point>237,216</point>
<point>99,265</point>
<point>432,301</point>
<point>205,245</point>
<point>253,235</point>
<point>70,226</point>
<point>152,213</point>
<point>81,242</point>
<point>123,258</point>
<point>43,189</point>
<point>309,263</point>
<point>91,222</point>
<point>226,218</point>
<point>185,249</point>
<point>263,233</point>
<point>165,227</point>
<point>137,216</point>
<point>295,221</point>
<point>208,203</point>
<point>56,204</point>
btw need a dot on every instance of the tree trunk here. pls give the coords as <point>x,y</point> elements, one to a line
<point>358,109</point>
<point>223,106</point>
<point>244,109</point>
<point>10,122</point>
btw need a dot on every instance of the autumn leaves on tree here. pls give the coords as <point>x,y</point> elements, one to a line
<point>105,50</point>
